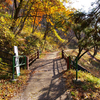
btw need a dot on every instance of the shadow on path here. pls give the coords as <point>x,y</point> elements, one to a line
<point>46,81</point>
<point>57,88</point>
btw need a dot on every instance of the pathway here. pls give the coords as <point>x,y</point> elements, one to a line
<point>47,82</point>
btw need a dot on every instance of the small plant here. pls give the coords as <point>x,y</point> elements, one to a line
<point>73,93</point>
<point>85,87</point>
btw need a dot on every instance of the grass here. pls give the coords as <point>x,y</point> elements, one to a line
<point>88,90</point>
<point>87,62</point>
<point>97,56</point>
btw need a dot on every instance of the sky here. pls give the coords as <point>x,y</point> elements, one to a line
<point>85,5</point>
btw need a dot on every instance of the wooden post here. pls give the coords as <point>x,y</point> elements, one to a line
<point>27,62</point>
<point>37,54</point>
<point>67,63</point>
<point>62,53</point>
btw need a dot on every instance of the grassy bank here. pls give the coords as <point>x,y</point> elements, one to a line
<point>89,89</point>
<point>87,62</point>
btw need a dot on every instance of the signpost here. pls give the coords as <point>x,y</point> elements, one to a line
<point>17,60</point>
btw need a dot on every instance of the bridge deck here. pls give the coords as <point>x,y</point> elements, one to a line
<point>46,82</point>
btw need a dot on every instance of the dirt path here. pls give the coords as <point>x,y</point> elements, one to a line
<point>47,82</point>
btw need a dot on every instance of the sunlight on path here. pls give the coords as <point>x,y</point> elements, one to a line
<point>52,55</point>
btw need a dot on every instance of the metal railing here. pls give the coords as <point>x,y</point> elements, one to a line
<point>22,61</point>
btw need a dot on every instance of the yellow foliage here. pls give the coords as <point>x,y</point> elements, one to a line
<point>56,34</point>
<point>48,20</point>
<point>39,35</point>
<point>65,34</point>
<point>2,19</point>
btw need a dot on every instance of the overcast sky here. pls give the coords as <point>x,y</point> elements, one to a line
<point>85,5</point>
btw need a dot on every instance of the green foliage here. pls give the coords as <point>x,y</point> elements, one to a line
<point>85,28</point>
<point>85,87</point>
<point>7,38</point>
<point>0,59</point>
<point>73,93</point>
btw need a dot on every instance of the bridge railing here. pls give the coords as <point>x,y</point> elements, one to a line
<point>67,58</point>
<point>6,63</point>
<point>6,57</point>
<point>31,58</point>
<point>9,60</point>
<point>72,63</point>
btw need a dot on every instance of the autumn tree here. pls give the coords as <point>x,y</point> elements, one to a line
<point>26,16</point>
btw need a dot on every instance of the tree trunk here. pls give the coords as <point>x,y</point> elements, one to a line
<point>17,10</point>
<point>95,50</point>
<point>46,32</point>
<point>83,54</point>
<point>34,22</point>
<point>22,25</point>
<point>80,50</point>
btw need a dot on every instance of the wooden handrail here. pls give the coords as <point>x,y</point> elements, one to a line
<point>6,58</point>
<point>65,56</point>
<point>32,58</point>
<point>6,52</point>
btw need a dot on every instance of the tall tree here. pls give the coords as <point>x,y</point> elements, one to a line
<point>86,30</point>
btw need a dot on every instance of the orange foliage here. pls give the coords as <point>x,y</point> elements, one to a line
<point>37,16</point>
<point>3,6</point>
<point>47,8</point>
<point>9,2</point>
<point>6,3</point>
<point>38,19</point>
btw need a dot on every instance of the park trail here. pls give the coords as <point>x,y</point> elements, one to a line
<point>46,82</point>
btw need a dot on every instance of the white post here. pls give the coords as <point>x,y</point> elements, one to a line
<point>17,60</point>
